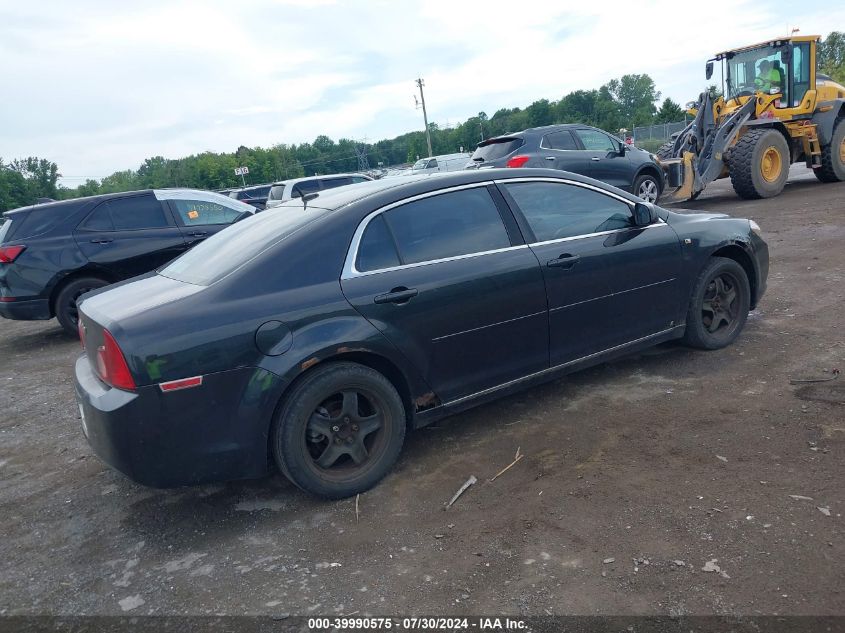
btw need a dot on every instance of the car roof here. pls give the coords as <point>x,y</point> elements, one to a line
<point>249,188</point>
<point>292,181</point>
<point>409,186</point>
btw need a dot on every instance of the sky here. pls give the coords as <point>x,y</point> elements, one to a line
<point>98,86</point>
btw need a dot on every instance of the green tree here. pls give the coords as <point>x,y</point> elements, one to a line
<point>635,96</point>
<point>831,56</point>
<point>669,112</point>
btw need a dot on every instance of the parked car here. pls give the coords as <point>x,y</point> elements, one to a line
<point>255,196</point>
<point>52,253</point>
<point>423,296</point>
<point>435,164</point>
<point>297,187</point>
<point>577,148</point>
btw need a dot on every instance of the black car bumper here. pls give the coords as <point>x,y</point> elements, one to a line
<point>183,437</point>
<point>761,256</point>
<point>29,310</point>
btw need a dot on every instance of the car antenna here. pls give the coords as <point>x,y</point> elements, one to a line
<point>307,198</point>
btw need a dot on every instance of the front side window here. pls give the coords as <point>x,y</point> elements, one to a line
<point>447,225</point>
<point>197,212</point>
<point>558,210</point>
<point>800,71</point>
<point>760,69</point>
<point>596,141</point>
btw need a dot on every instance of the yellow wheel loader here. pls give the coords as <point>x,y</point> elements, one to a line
<point>775,110</point>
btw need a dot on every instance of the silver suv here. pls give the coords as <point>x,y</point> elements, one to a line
<point>285,190</point>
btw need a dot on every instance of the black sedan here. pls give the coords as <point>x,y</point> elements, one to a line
<point>311,338</point>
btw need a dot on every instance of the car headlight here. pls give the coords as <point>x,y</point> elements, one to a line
<point>755,227</point>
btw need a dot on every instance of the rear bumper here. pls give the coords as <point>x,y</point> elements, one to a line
<point>216,432</point>
<point>29,310</point>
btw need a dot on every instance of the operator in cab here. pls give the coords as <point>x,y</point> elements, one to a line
<point>768,78</point>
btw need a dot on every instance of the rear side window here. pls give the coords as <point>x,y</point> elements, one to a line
<point>596,141</point>
<point>357,179</point>
<point>276,192</point>
<point>305,187</point>
<point>5,229</point>
<point>259,192</point>
<point>331,183</point>
<point>39,221</point>
<point>558,140</point>
<point>129,214</point>
<point>555,211</point>
<point>197,212</point>
<point>377,250</point>
<point>497,148</point>
<point>447,225</point>
<point>99,220</point>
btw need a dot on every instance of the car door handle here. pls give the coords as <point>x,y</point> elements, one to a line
<point>595,159</point>
<point>100,241</point>
<point>198,234</point>
<point>565,261</point>
<point>397,295</point>
<point>550,157</point>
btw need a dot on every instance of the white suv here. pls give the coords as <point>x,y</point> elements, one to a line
<point>285,190</point>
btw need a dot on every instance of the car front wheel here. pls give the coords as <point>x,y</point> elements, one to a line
<point>339,431</point>
<point>719,305</point>
<point>647,187</point>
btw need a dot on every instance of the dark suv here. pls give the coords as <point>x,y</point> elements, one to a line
<point>52,253</point>
<point>255,196</point>
<point>577,148</point>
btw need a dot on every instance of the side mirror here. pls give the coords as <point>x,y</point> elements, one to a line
<point>642,214</point>
<point>622,148</point>
<point>708,72</point>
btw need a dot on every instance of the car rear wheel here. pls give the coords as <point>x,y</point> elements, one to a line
<point>719,305</point>
<point>339,431</point>
<point>66,310</point>
<point>647,188</point>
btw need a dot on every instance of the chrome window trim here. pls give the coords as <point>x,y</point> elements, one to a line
<point>349,269</point>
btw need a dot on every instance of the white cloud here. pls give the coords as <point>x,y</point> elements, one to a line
<point>98,86</point>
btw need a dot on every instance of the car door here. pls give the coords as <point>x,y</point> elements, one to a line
<point>130,236</point>
<point>604,158</point>
<point>452,288</point>
<point>608,281</point>
<point>560,151</point>
<point>199,219</point>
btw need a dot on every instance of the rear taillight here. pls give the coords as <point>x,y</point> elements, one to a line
<point>111,365</point>
<point>517,161</point>
<point>8,254</point>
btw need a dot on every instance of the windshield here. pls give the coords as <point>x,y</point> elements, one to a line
<point>229,249</point>
<point>759,70</point>
<point>420,164</point>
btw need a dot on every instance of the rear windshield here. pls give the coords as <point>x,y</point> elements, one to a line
<point>5,227</point>
<point>497,148</point>
<point>276,192</point>
<point>229,249</point>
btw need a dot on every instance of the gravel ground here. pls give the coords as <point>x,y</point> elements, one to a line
<point>639,476</point>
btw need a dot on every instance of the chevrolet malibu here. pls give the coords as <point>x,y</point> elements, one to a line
<point>309,340</point>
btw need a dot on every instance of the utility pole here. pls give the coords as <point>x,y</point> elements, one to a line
<point>421,83</point>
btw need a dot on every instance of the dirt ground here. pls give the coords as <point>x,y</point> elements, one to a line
<point>636,475</point>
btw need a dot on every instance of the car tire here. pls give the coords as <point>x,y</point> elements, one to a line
<point>719,305</point>
<point>647,187</point>
<point>759,164</point>
<point>319,430</point>
<point>65,305</point>
<point>833,155</point>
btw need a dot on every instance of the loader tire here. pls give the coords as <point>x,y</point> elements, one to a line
<point>665,150</point>
<point>759,164</point>
<point>833,155</point>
